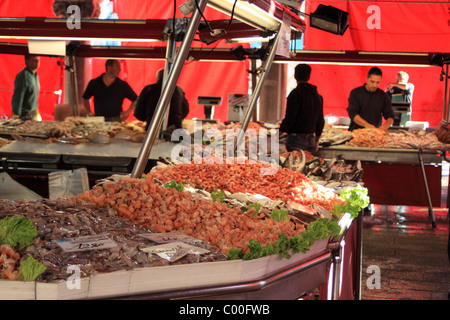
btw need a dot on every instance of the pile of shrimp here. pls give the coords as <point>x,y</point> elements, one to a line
<point>282,184</point>
<point>8,261</point>
<point>370,137</point>
<point>146,203</point>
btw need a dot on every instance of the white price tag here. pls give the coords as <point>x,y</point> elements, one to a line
<point>86,243</point>
<point>174,250</point>
<point>167,237</point>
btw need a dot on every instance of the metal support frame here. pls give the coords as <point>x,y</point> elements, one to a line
<point>170,54</point>
<point>73,79</point>
<point>307,276</point>
<point>358,255</point>
<point>168,91</point>
<point>446,100</point>
<point>427,190</point>
<point>258,87</point>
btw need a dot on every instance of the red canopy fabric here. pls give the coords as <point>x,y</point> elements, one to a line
<point>386,26</point>
<point>413,26</point>
<point>404,26</point>
<point>198,78</point>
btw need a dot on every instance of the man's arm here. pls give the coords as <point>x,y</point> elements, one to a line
<point>385,126</point>
<point>87,106</point>
<point>388,113</point>
<point>361,122</point>
<point>398,85</point>
<point>18,96</point>
<point>140,108</point>
<point>291,113</point>
<point>125,114</point>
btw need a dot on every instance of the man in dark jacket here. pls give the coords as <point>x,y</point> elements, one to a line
<point>304,119</point>
<point>368,104</point>
<point>148,100</point>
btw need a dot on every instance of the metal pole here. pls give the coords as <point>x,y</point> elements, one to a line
<point>445,116</point>
<point>336,263</point>
<point>447,91</point>
<point>257,91</point>
<point>170,54</point>
<point>169,89</point>
<point>427,190</point>
<point>254,81</point>
<point>73,78</point>
<point>358,255</point>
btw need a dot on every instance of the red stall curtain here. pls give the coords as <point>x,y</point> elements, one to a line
<point>386,26</point>
<point>198,78</point>
<point>50,73</point>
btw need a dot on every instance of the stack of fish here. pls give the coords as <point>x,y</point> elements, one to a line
<point>335,173</point>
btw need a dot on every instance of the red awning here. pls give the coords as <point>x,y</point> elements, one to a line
<point>386,25</point>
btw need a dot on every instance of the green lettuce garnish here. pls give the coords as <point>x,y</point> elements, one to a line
<point>18,231</point>
<point>30,269</point>
<point>317,230</point>
<point>356,199</point>
<point>255,205</point>
<point>279,215</point>
<point>174,185</point>
<point>218,195</point>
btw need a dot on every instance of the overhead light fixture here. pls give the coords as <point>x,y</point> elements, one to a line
<point>291,3</point>
<point>330,19</point>
<point>250,39</point>
<point>248,13</point>
<point>47,47</point>
<point>439,59</point>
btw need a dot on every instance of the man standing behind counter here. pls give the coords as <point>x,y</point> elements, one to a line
<point>109,91</point>
<point>368,104</point>
<point>149,98</point>
<point>304,121</point>
<point>24,101</point>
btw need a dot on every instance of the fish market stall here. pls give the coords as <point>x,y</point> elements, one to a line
<point>400,167</point>
<point>129,238</point>
<point>241,231</point>
<point>30,150</point>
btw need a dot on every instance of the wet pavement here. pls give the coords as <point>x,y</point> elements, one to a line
<point>411,255</point>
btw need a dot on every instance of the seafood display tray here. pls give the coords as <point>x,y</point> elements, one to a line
<point>117,148</point>
<point>167,278</point>
<point>378,154</point>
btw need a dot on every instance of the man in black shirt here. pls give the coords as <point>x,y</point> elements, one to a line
<point>304,119</point>
<point>109,91</point>
<point>368,104</point>
<point>148,100</point>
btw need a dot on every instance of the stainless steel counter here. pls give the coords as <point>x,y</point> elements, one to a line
<point>380,155</point>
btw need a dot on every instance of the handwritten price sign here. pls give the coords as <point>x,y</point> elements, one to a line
<point>86,243</point>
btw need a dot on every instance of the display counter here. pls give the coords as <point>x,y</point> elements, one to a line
<point>409,156</point>
<point>31,160</point>
<point>269,278</point>
<point>396,176</point>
